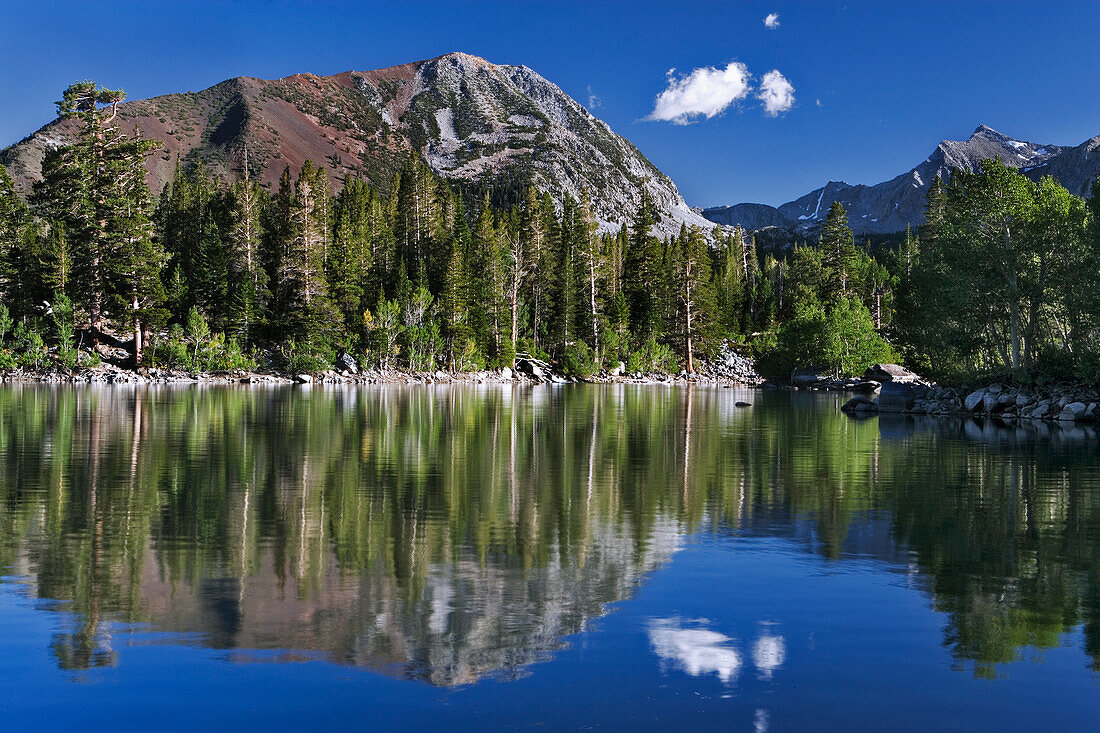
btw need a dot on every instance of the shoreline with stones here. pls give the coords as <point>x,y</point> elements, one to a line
<point>901,391</point>
<point>729,368</point>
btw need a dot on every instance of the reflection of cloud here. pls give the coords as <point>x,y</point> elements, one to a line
<point>768,654</point>
<point>760,721</point>
<point>696,651</point>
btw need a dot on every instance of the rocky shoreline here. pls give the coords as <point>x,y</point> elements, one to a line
<point>729,368</point>
<point>1057,402</point>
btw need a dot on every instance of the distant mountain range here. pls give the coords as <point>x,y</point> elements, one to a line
<point>892,205</point>
<point>468,117</point>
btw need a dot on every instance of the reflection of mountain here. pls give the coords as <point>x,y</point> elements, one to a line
<point>469,619</point>
<point>446,534</point>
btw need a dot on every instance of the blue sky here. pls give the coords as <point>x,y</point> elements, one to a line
<point>892,78</point>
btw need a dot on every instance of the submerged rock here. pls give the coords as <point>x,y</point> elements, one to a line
<point>859,403</point>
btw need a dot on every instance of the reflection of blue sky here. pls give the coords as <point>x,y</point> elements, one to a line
<point>700,651</point>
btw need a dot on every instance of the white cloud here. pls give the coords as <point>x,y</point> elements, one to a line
<point>705,92</point>
<point>593,100</point>
<point>771,21</point>
<point>776,93</point>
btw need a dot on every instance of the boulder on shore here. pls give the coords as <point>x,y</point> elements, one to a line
<point>897,397</point>
<point>974,400</point>
<point>889,373</point>
<point>347,363</point>
<point>809,376</point>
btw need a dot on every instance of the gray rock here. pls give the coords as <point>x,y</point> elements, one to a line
<point>889,373</point>
<point>506,374</point>
<point>974,400</point>
<point>347,363</point>
<point>858,404</point>
<point>896,397</point>
<point>989,402</point>
<point>1022,399</point>
<point>1076,408</point>
<point>303,379</point>
<point>618,370</point>
<point>530,368</point>
<point>810,376</point>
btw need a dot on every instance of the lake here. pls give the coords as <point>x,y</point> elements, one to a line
<point>575,557</point>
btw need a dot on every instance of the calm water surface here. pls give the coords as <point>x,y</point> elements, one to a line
<point>580,557</point>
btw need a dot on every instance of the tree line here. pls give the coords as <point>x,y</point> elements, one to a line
<point>212,274</point>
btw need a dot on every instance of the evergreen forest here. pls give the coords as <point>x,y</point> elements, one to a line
<point>217,275</point>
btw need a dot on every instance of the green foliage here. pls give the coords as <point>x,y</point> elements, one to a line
<point>469,358</point>
<point>1003,278</point>
<point>305,358</point>
<point>29,345</point>
<point>841,338</point>
<point>579,361</point>
<point>383,328</point>
<point>64,327</point>
<point>199,349</point>
<point>652,356</point>
<point>5,322</point>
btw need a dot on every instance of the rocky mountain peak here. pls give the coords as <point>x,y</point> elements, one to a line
<point>892,205</point>
<point>471,120</point>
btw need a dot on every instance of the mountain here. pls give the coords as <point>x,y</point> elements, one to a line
<point>892,205</point>
<point>470,119</point>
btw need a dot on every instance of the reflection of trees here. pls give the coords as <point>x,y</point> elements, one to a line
<point>1010,540</point>
<point>446,533</point>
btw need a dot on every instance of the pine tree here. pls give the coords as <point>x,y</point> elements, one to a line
<point>729,278</point>
<point>590,261</point>
<point>520,262</point>
<point>349,259</point>
<point>536,233</point>
<point>14,218</point>
<point>307,313</point>
<point>138,258</point>
<point>565,288</point>
<point>838,246</point>
<point>641,273</point>
<point>935,211</point>
<point>454,296</point>
<point>489,308</point>
<point>694,292</point>
<point>96,189</point>
<point>248,294</point>
<point>417,218</point>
